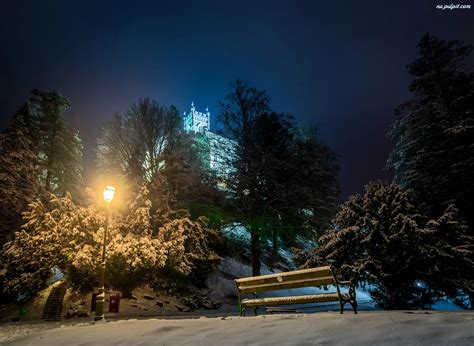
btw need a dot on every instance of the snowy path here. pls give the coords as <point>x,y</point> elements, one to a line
<point>366,328</point>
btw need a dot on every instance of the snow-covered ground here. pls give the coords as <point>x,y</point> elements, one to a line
<point>326,326</point>
<point>366,328</point>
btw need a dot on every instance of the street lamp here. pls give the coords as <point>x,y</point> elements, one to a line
<point>109,192</point>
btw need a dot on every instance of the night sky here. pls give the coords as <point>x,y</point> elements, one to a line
<point>340,66</point>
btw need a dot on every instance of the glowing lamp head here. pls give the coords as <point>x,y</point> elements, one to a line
<point>109,192</point>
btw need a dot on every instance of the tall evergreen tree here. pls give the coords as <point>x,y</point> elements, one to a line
<point>239,111</point>
<point>58,145</point>
<point>18,182</point>
<point>434,152</point>
<point>315,169</point>
<point>272,184</point>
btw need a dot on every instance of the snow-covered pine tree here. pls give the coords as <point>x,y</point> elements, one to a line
<point>64,235</point>
<point>434,134</point>
<point>28,258</point>
<point>376,239</point>
<point>189,245</point>
<point>18,181</point>
<point>449,255</point>
<point>133,253</point>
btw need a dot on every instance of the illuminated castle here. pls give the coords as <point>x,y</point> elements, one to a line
<point>217,150</point>
<point>196,121</point>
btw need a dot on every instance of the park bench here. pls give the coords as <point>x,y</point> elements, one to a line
<point>315,277</point>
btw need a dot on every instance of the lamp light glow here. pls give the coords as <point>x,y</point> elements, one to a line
<point>109,192</point>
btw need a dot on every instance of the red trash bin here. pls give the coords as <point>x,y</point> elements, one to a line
<point>114,301</point>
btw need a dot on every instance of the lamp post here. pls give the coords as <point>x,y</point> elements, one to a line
<point>109,192</point>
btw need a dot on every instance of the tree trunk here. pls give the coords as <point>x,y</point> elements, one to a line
<point>256,264</point>
<point>47,183</point>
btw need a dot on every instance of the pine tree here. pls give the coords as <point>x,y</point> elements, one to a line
<point>376,239</point>
<point>189,245</point>
<point>449,255</point>
<point>434,152</point>
<point>18,182</point>
<point>58,145</point>
<point>133,252</point>
<point>64,235</point>
<point>315,169</point>
<point>380,238</point>
<point>27,260</point>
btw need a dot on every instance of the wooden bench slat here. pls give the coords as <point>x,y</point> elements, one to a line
<point>327,280</point>
<point>309,298</point>
<point>295,275</point>
<point>315,277</point>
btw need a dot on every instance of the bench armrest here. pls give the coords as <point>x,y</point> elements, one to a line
<point>350,283</point>
<point>352,290</point>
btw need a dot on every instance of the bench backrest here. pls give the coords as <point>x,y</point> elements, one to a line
<point>299,278</point>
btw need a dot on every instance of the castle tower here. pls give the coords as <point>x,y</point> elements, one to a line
<point>197,121</point>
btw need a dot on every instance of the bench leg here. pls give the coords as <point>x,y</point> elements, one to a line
<point>255,310</point>
<point>341,306</point>
<point>354,306</point>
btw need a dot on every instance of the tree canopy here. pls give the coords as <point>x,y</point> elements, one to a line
<point>277,180</point>
<point>380,238</point>
<point>18,174</point>
<point>59,148</point>
<point>132,145</point>
<point>69,237</point>
<point>434,134</point>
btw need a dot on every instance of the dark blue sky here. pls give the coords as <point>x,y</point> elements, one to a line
<point>339,65</point>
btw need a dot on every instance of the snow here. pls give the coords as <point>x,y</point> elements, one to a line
<point>446,305</point>
<point>57,275</point>
<point>286,255</point>
<point>366,328</point>
<point>237,231</point>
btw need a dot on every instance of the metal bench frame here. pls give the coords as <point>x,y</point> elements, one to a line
<point>313,277</point>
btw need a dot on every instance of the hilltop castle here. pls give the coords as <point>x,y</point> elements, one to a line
<point>218,149</point>
<point>197,121</point>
